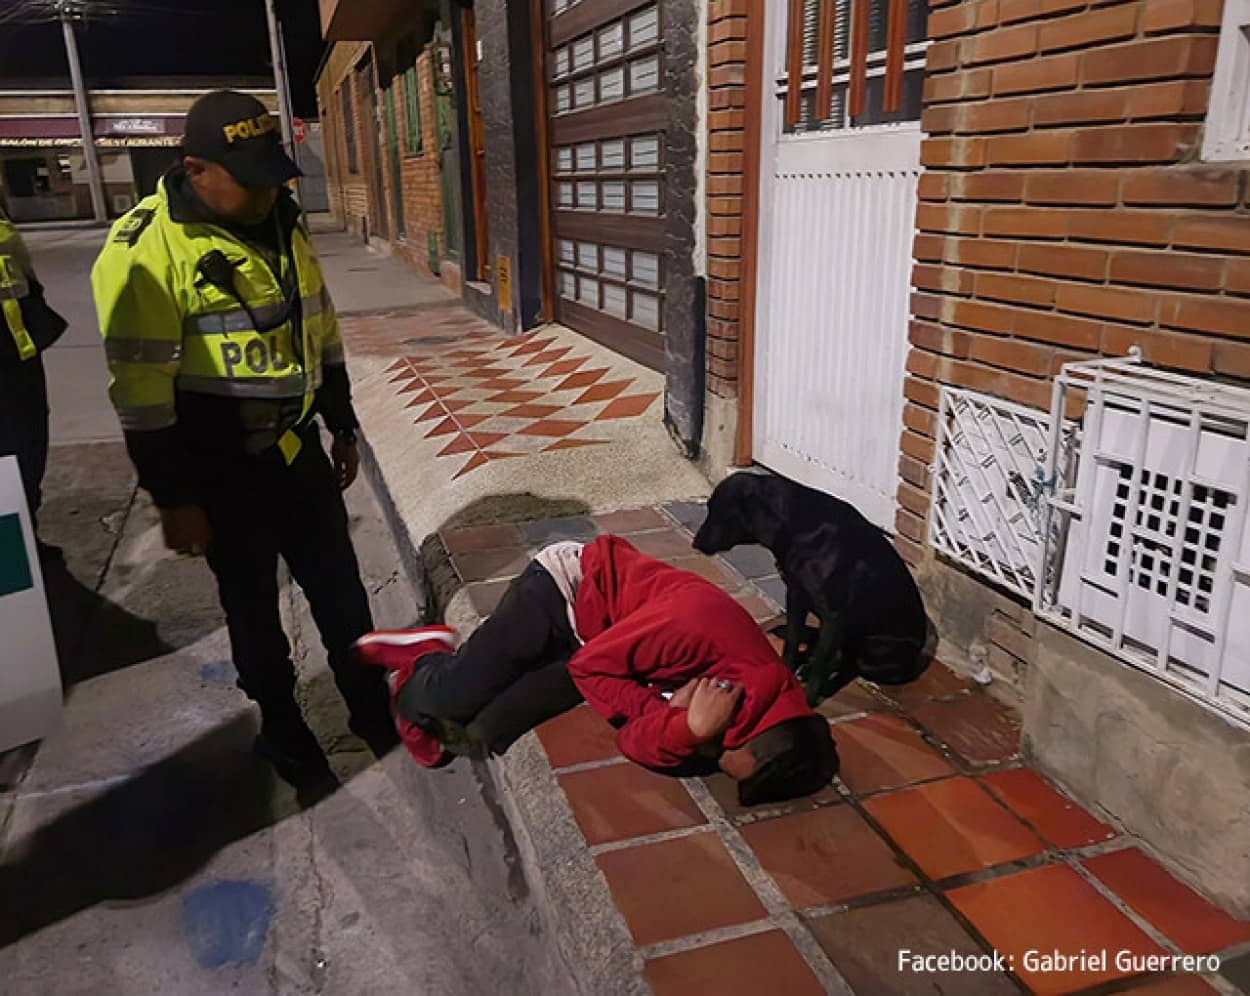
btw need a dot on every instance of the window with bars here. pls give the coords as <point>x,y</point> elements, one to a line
<point>349,127</point>
<point>622,283</point>
<point>1146,554</point>
<point>1154,537</point>
<point>853,63</point>
<point>414,140</point>
<point>614,175</point>
<point>618,60</point>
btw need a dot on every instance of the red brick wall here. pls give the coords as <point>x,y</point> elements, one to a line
<point>726,101</point>
<point>348,195</point>
<point>422,196</point>
<point>1064,212</point>
<point>349,192</point>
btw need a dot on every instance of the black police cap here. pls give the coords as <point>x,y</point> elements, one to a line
<point>236,131</point>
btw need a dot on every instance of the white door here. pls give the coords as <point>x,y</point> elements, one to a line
<point>837,220</point>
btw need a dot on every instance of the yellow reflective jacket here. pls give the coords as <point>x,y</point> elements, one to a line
<point>176,340</point>
<point>27,325</point>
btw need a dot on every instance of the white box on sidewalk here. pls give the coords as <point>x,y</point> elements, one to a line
<point>30,681</point>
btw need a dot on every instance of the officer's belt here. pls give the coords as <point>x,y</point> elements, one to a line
<point>238,320</point>
<point>148,418</point>
<point>248,387</point>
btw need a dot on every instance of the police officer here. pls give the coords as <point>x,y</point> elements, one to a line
<point>223,346</point>
<point>27,328</point>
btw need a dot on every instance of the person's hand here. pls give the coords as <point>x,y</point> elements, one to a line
<point>681,698</point>
<point>186,529</point>
<point>712,705</point>
<point>346,461</point>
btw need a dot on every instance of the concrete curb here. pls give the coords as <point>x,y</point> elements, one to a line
<point>35,227</point>
<point>571,895</point>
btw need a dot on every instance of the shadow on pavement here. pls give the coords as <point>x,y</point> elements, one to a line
<point>139,838</point>
<point>118,638</point>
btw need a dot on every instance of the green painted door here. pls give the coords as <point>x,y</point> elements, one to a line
<point>397,164</point>
<point>448,165</point>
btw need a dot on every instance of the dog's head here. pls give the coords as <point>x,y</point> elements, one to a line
<point>734,513</point>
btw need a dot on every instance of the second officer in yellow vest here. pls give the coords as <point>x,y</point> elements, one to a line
<point>223,346</point>
<point>27,328</point>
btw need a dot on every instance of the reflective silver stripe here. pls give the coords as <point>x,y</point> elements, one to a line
<point>315,304</point>
<point>235,320</point>
<point>148,418</point>
<point>258,387</point>
<point>238,320</point>
<point>13,292</point>
<point>142,350</point>
<point>333,354</point>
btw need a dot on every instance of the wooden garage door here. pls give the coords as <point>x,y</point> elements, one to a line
<point>604,65</point>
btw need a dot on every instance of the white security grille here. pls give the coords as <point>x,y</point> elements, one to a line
<point>1148,553</point>
<point>990,485</point>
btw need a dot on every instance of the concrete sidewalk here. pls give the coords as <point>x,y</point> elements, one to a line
<point>934,838</point>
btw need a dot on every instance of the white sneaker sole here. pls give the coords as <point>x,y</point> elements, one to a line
<point>405,639</point>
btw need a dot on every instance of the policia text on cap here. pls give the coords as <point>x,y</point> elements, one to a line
<point>223,345</point>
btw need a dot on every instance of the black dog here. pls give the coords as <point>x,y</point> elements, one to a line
<point>836,564</point>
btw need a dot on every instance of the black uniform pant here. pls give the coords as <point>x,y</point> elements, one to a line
<point>24,422</point>
<point>259,510</point>
<point>510,675</point>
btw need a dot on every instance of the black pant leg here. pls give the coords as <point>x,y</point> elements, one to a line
<point>316,544</point>
<point>530,701</point>
<point>244,557</point>
<point>529,629</point>
<point>24,424</point>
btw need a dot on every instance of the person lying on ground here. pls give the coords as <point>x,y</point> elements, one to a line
<point>667,657</point>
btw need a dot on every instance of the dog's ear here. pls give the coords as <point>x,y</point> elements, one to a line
<point>777,495</point>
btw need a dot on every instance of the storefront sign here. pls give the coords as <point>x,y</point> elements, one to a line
<point>137,126</point>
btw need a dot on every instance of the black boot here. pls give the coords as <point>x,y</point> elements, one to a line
<point>369,703</point>
<point>380,736</point>
<point>287,743</point>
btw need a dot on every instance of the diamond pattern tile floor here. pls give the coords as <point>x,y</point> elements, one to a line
<point>529,381</point>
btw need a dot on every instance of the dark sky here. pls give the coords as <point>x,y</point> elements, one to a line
<point>167,38</point>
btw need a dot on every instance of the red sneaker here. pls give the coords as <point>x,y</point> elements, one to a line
<point>400,652</point>
<point>395,647</point>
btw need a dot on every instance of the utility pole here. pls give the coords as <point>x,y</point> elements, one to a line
<point>98,203</point>
<point>277,51</point>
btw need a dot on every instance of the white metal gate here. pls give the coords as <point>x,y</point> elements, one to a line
<point>1154,562</point>
<point>1123,515</point>
<point>837,210</point>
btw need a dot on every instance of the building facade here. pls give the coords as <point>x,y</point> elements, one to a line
<point>387,107</point>
<point>987,280</point>
<point>565,175</point>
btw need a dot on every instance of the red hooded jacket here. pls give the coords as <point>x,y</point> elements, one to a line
<point>651,628</point>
